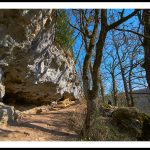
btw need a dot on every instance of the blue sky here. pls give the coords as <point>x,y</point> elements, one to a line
<point>127,25</point>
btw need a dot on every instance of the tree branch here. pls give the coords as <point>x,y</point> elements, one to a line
<point>76,28</point>
<point>133,33</point>
<point>123,19</point>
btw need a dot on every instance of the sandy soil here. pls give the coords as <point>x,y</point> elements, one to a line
<point>43,126</point>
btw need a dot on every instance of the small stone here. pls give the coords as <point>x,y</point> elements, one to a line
<point>39,111</point>
<point>27,134</point>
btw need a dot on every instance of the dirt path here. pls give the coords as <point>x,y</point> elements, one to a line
<point>46,126</point>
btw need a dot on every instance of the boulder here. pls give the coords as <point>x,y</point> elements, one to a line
<point>2,91</point>
<point>146,127</point>
<point>2,87</point>
<point>132,122</point>
<point>8,115</point>
<point>128,120</point>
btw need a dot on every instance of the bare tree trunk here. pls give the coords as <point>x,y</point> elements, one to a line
<point>147,44</point>
<point>92,110</point>
<point>102,89</point>
<point>114,89</point>
<point>130,88</point>
<point>90,95</point>
<point>125,86</point>
<point>92,104</point>
<point>130,84</point>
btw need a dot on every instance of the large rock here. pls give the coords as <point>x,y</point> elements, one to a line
<point>38,72</point>
<point>2,91</point>
<point>2,87</point>
<point>132,122</point>
<point>128,120</point>
<point>8,115</point>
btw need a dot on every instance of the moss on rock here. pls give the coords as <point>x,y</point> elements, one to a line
<point>131,121</point>
<point>146,127</point>
<point>128,120</point>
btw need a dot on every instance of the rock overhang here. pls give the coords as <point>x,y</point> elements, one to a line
<point>37,70</point>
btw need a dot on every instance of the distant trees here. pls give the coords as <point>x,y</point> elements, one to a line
<point>125,55</point>
<point>110,67</point>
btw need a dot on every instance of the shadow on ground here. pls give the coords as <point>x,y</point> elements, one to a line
<point>54,132</point>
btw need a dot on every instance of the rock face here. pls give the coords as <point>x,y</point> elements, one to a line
<point>37,72</point>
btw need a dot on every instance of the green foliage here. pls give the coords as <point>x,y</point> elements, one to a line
<point>105,105</point>
<point>64,33</point>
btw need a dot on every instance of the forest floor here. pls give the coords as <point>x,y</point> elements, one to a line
<point>48,125</point>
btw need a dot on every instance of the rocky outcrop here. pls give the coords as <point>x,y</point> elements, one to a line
<point>37,72</point>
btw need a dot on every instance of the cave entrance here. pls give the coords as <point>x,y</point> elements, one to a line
<point>19,103</point>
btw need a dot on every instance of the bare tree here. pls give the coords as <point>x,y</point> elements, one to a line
<point>102,88</point>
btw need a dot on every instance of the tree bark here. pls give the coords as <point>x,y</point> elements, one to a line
<point>102,89</point>
<point>130,78</point>
<point>124,82</point>
<point>130,93</point>
<point>146,65</point>
<point>114,89</point>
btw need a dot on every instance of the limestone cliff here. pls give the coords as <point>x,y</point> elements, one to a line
<point>32,68</point>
